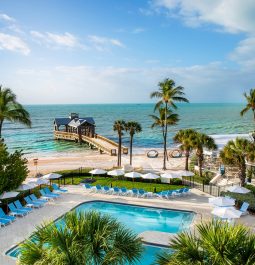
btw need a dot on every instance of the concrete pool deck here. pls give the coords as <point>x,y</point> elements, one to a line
<point>22,228</point>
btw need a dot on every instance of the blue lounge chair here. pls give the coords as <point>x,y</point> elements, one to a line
<point>16,212</point>
<point>135,192</point>
<point>35,199</point>
<point>116,191</point>
<point>162,194</point>
<point>56,188</point>
<point>106,189</point>
<point>244,208</point>
<point>5,216</point>
<point>124,191</point>
<point>46,196</point>
<point>4,222</point>
<point>142,193</point>
<point>30,203</point>
<point>87,186</point>
<point>99,188</point>
<point>48,192</point>
<point>20,207</point>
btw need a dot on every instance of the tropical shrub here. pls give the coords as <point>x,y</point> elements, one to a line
<point>86,238</point>
<point>176,181</point>
<point>214,243</point>
<point>13,169</point>
<point>251,188</point>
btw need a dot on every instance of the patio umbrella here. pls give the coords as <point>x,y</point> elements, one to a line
<point>222,201</point>
<point>33,184</point>
<point>186,173</point>
<point>24,187</point>
<point>171,175</point>
<point>116,172</point>
<point>226,212</point>
<point>97,171</point>
<point>8,194</point>
<point>52,176</point>
<point>133,175</point>
<point>150,176</point>
<point>238,189</point>
<point>41,181</point>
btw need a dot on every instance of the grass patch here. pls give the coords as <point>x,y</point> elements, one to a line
<point>129,184</point>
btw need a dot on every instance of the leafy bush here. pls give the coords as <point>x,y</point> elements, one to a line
<point>176,181</point>
<point>240,198</point>
<point>13,169</point>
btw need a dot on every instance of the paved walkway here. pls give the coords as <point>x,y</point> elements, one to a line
<point>13,234</point>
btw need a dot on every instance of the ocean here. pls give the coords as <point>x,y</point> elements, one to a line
<point>222,121</point>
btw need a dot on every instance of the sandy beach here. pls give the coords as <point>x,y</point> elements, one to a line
<point>93,159</point>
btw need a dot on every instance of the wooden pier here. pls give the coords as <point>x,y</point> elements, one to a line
<point>103,144</point>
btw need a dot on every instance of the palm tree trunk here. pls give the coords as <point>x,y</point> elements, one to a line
<point>164,161</point>
<point>1,125</point>
<point>119,150</point>
<point>200,163</point>
<point>186,160</point>
<point>242,174</point>
<point>131,148</point>
<point>120,143</point>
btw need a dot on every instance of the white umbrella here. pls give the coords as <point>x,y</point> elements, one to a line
<point>222,201</point>
<point>238,189</point>
<point>186,173</point>
<point>116,172</point>
<point>40,181</point>
<point>133,175</point>
<point>150,176</point>
<point>33,184</point>
<point>24,187</point>
<point>226,212</point>
<point>9,194</point>
<point>171,175</point>
<point>97,171</point>
<point>52,176</point>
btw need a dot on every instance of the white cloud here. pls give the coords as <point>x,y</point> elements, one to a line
<point>103,43</point>
<point>203,83</point>
<point>138,30</point>
<point>57,40</point>
<point>13,43</point>
<point>6,18</point>
<point>229,15</point>
<point>244,53</point>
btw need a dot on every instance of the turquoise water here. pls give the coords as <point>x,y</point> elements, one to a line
<point>215,119</point>
<point>138,219</point>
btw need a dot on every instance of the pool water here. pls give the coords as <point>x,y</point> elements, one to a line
<point>139,219</point>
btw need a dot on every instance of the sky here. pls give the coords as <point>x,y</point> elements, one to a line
<point>96,51</point>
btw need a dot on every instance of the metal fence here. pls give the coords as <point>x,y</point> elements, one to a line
<point>207,188</point>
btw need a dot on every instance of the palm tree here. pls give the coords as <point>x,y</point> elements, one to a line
<point>199,142</point>
<point>168,95</point>
<point>11,110</point>
<point>250,98</point>
<point>214,243</point>
<point>119,127</point>
<point>185,138</point>
<point>133,128</point>
<point>86,238</point>
<point>236,153</point>
<point>165,117</point>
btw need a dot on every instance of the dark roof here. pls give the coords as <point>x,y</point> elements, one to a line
<point>66,121</point>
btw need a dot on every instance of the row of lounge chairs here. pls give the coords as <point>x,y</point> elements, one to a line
<point>17,209</point>
<point>137,192</point>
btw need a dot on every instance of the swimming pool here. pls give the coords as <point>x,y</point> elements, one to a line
<point>139,219</point>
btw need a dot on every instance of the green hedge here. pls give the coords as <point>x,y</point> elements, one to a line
<point>240,198</point>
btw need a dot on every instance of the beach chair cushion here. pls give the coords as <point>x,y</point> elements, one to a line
<point>5,216</point>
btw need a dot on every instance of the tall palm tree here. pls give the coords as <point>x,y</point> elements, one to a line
<point>185,138</point>
<point>11,110</point>
<point>133,128</point>
<point>119,127</point>
<point>250,99</point>
<point>199,142</point>
<point>236,153</point>
<point>165,117</point>
<point>168,94</point>
<point>86,238</point>
<point>214,243</point>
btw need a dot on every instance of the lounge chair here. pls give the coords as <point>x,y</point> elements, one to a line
<point>142,193</point>
<point>116,191</point>
<point>5,216</point>
<point>46,196</point>
<point>99,188</point>
<point>162,194</point>
<point>16,212</point>
<point>4,222</point>
<point>35,199</point>
<point>135,192</point>
<point>56,188</point>
<point>124,191</point>
<point>244,208</point>
<point>20,207</point>
<point>88,187</point>
<point>32,204</point>
<point>106,189</point>
<point>48,192</point>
